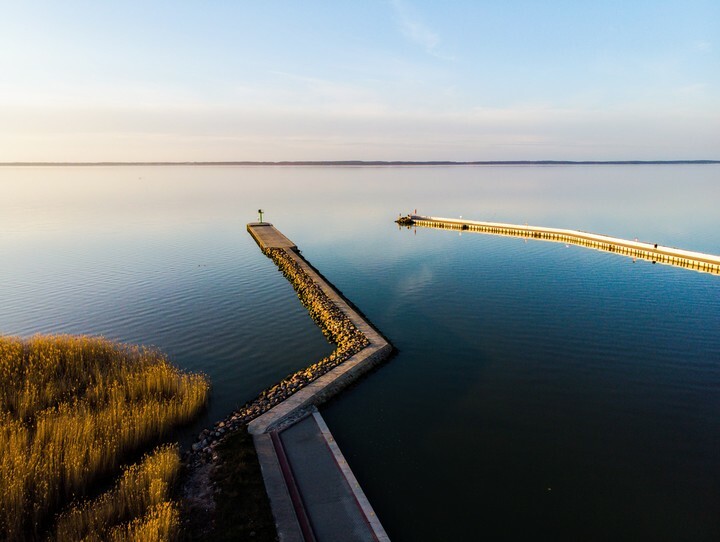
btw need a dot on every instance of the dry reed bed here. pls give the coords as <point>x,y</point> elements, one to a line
<point>139,507</point>
<point>335,325</point>
<point>71,410</point>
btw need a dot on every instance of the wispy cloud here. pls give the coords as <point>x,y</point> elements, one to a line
<point>692,90</point>
<point>702,46</point>
<point>248,132</point>
<point>417,31</point>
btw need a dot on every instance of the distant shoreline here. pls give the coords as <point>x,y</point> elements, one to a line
<point>376,163</point>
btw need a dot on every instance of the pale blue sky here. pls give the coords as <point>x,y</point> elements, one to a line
<point>377,79</point>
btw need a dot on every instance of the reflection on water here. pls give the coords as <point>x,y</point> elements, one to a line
<point>538,389</point>
<point>673,204</point>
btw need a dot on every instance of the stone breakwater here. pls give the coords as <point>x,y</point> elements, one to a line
<point>335,325</point>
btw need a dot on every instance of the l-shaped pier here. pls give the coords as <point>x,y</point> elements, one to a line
<point>313,493</point>
<point>698,261</point>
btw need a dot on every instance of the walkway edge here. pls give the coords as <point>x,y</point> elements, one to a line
<point>283,511</point>
<point>322,389</point>
<point>360,497</point>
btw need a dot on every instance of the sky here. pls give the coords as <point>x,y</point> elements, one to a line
<point>278,80</point>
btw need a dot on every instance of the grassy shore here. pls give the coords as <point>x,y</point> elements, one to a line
<point>72,410</point>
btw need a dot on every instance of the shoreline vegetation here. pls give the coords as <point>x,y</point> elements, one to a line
<point>73,410</point>
<point>225,499</point>
<point>375,163</point>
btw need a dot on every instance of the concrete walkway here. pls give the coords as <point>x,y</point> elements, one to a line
<point>326,498</point>
<point>268,236</point>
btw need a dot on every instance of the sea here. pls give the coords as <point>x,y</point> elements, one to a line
<point>538,391</point>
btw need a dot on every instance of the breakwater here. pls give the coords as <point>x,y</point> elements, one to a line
<point>297,453</point>
<point>697,261</point>
<point>286,427</point>
<point>359,345</point>
<point>334,324</point>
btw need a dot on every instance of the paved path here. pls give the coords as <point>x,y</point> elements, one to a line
<point>334,505</point>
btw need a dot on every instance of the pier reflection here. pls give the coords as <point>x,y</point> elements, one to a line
<point>696,261</point>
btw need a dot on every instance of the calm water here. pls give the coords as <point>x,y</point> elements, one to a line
<point>539,391</point>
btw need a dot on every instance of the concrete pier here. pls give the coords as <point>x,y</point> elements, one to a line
<point>698,261</point>
<point>267,236</point>
<point>313,493</point>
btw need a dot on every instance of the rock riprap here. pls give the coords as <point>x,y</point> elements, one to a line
<point>335,325</point>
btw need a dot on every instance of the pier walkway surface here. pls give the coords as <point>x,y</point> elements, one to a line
<point>698,261</point>
<point>313,493</point>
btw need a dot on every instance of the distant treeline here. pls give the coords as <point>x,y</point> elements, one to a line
<point>373,163</point>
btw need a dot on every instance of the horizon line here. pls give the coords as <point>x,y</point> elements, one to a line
<point>360,163</point>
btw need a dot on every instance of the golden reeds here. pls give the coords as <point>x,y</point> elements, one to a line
<point>140,502</point>
<point>71,410</point>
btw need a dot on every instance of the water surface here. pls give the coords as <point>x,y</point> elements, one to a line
<point>539,390</point>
